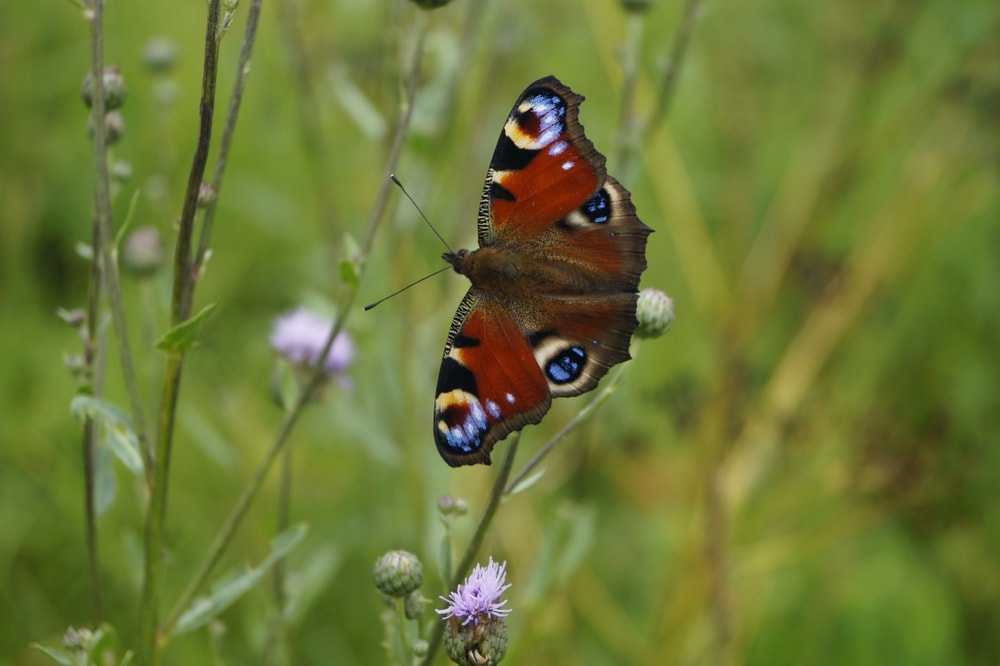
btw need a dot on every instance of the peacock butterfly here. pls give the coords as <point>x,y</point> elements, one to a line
<point>552,303</point>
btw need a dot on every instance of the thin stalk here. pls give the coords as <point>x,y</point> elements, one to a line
<point>577,419</point>
<point>682,38</point>
<point>89,445</point>
<point>496,496</point>
<point>276,631</point>
<point>102,216</point>
<point>235,517</point>
<point>629,123</point>
<point>228,130</point>
<point>150,649</point>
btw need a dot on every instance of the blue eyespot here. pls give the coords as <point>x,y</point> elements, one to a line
<point>598,208</point>
<point>567,365</point>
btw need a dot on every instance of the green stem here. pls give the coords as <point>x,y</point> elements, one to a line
<point>235,517</point>
<point>89,335</point>
<point>228,130</point>
<point>496,495</point>
<point>406,650</point>
<point>678,51</point>
<point>628,138</point>
<point>150,646</point>
<point>577,419</point>
<point>276,631</point>
<point>105,233</point>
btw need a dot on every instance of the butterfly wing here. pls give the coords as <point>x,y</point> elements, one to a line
<point>543,166</point>
<point>489,384</point>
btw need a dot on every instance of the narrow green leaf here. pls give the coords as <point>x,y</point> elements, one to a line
<point>117,426</point>
<point>527,482</point>
<point>127,223</point>
<point>348,273</point>
<point>288,386</point>
<point>232,586</point>
<point>184,334</point>
<point>58,656</point>
<point>105,484</point>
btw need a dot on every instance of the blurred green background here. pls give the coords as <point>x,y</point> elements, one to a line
<point>804,470</point>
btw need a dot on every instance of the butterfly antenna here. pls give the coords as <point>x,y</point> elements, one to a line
<point>399,291</point>
<point>440,237</point>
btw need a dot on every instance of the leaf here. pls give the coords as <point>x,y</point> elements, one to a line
<point>117,425</point>
<point>105,486</point>
<point>232,586</point>
<point>184,334</point>
<point>526,483</point>
<point>58,656</point>
<point>289,390</point>
<point>127,223</point>
<point>349,273</point>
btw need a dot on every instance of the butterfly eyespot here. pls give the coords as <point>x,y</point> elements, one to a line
<point>461,420</point>
<point>598,208</point>
<point>567,365</point>
<point>539,122</point>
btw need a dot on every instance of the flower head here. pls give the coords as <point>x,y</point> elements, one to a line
<point>655,312</point>
<point>300,335</point>
<point>479,597</point>
<point>398,573</point>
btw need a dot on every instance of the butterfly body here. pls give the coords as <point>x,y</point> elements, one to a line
<point>554,281</point>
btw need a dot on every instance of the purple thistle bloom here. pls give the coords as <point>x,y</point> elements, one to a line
<point>299,336</point>
<point>479,597</point>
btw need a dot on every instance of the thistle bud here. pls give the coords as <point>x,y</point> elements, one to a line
<point>159,54</point>
<point>430,4</point>
<point>114,126</point>
<point>143,252</point>
<point>655,312</point>
<point>636,5</point>
<point>397,573</point>
<point>115,90</point>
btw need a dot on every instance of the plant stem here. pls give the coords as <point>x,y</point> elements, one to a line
<point>150,648</point>
<point>678,51</point>
<point>88,447</point>
<point>103,252</point>
<point>235,517</point>
<point>496,495</point>
<point>228,130</point>
<point>628,130</point>
<point>577,419</point>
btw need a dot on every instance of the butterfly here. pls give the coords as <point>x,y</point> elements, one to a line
<point>554,281</point>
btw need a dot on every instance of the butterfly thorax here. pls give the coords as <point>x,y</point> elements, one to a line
<point>505,270</point>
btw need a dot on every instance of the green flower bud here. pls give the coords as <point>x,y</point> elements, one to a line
<point>431,4</point>
<point>143,252</point>
<point>452,506</point>
<point>397,573</point>
<point>206,195</point>
<point>414,605</point>
<point>160,54</point>
<point>121,171</point>
<point>655,312</point>
<point>115,90</point>
<point>476,644</point>
<point>114,126</point>
<point>637,5</point>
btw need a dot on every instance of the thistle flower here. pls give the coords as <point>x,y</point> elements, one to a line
<point>299,337</point>
<point>481,638</point>
<point>479,597</point>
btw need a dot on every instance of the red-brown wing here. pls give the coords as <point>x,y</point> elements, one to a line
<point>543,166</point>
<point>489,384</point>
